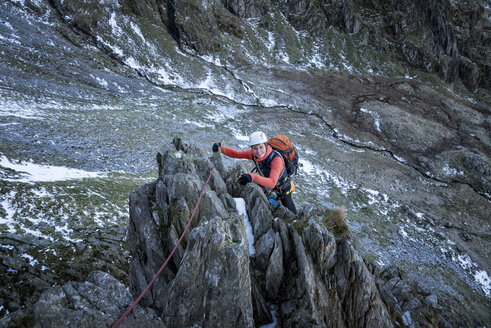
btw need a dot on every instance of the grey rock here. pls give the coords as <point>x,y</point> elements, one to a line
<point>228,202</point>
<point>260,213</point>
<point>213,283</point>
<point>274,273</point>
<point>431,300</point>
<point>321,244</point>
<point>264,247</point>
<point>148,251</point>
<point>99,301</point>
<point>211,206</point>
<point>406,318</point>
<point>351,271</point>
<point>311,277</point>
<point>280,227</point>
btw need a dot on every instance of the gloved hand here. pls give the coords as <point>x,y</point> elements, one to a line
<point>216,147</point>
<point>245,178</point>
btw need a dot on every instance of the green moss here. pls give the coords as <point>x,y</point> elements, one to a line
<point>231,243</point>
<point>22,318</point>
<point>48,230</point>
<point>300,225</point>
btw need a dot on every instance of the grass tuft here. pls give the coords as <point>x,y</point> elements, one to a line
<point>335,221</point>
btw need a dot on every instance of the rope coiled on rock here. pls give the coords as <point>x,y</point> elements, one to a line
<point>170,255</point>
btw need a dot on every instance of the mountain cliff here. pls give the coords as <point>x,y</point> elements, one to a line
<point>303,271</point>
<point>387,103</point>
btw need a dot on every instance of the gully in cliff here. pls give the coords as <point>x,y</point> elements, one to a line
<point>276,160</point>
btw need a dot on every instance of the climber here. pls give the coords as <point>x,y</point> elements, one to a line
<point>272,176</point>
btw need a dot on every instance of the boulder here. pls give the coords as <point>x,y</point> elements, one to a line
<point>97,302</point>
<point>212,285</point>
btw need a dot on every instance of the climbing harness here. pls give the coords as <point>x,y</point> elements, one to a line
<point>170,255</point>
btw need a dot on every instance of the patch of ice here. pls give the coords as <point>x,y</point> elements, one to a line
<point>8,108</point>
<point>32,261</point>
<point>20,2</point>
<point>358,142</point>
<point>133,63</point>
<point>376,117</point>
<point>450,171</point>
<point>464,261</point>
<point>212,60</point>
<point>283,55</point>
<point>137,30</point>
<point>209,84</point>
<point>200,125</point>
<point>375,196</point>
<point>484,280</point>
<point>114,26</point>
<point>114,48</point>
<point>102,82</point>
<point>241,208</point>
<point>65,232</point>
<point>45,173</point>
<point>400,159</point>
<point>36,233</point>
<point>269,102</point>
<point>271,41</point>
<point>8,220</point>
<point>241,137</point>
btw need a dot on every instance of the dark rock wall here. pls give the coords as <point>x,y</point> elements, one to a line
<point>446,37</point>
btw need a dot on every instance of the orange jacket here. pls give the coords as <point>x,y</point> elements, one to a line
<point>276,165</point>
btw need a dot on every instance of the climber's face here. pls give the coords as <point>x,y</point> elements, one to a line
<point>259,150</point>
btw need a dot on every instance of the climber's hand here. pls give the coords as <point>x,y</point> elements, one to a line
<point>216,147</point>
<point>245,179</point>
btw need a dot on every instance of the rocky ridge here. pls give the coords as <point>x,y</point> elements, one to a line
<point>447,37</point>
<point>311,275</point>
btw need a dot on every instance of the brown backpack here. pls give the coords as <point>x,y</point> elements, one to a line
<point>282,145</point>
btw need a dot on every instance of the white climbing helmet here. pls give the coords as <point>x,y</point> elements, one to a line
<point>257,138</point>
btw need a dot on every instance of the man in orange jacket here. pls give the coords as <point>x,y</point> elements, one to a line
<point>270,166</point>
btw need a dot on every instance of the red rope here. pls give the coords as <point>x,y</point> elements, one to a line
<point>168,258</point>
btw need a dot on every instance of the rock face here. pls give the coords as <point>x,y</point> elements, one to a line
<point>303,273</point>
<point>99,251</point>
<point>447,37</point>
<point>97,302</point>
<point>310,276</point>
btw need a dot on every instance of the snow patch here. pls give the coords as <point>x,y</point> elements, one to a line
<point>45,173</point>
<point>241,208</point>
<point>484,280</point>
<point>32,261</point>
<point>10,211</point>
<point>114,26</point>
<point>376,117</point>
<point>137,30</point>
<point>450,171</point>
<point>212,60</point>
